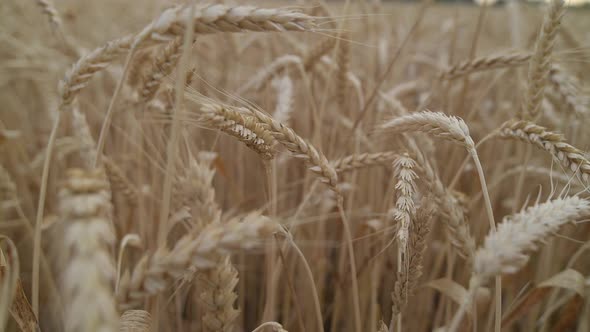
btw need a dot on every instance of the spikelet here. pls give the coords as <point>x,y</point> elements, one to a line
<point>507,250</point>
<point>86,210</point>
<point>569,156</point>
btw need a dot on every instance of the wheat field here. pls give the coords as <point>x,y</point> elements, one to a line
<point>294,166</point>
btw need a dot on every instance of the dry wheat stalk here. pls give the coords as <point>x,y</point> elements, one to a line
<point>261,78</point>
<point>403,170</point>
<point>300,148</point>
<point>52,14</point>
<point>218,282</point>
<point>569,156</point>
<point>221,18</point>
<point>244,127</point>
<point>489,62</point>
<point>119,181</point>
<point>363,160</point>
<point>506,250</point>
<point>457,227</point>
<point>343,61</point>
<point>566,87</point>
<point>540,63</point>
<point>407,279</point>
<point>86,209</point>
<point>284,89</point>
<point>435,123</point>
<point>137,68</point>
<point>155,272</point>
<point>219,296</point>
<point>162,66</point>
<point>135,321</point>
<point>83,70</point>
<point>317,52</point>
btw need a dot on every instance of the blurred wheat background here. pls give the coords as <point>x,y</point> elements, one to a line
<point>294,165</point>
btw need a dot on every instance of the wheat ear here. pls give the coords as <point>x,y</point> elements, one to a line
<point>136,321</point>
<point>162,66</point>
<point>506,251</point>
<point>489,62</point>
<point>244,127</point>
<point>540,63</point>
<point>407,279</point>
<point>82,133</point>
<point>457,227</point>
<point>403,170</point>
<point>299,148</point>
<point>86,209</point>
<point>363,160</point>
<point>317,52</point>
<point>434,123</point>
<point>51,12</point>
<point>566,87</point>
<point>119,181</point>
<point>155,272</point>
<point>569,156</point>
<point>221,18</point>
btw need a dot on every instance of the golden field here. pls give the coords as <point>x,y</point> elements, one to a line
<point>294,166</point>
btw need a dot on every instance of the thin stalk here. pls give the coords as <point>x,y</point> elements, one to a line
<point>39,218</point>
<point>171,149</point>
<point>490,212</point>
<point>355,289</point>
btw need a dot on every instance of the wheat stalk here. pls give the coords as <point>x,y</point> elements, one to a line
<point>506,250</point>
<point>569,156</point>
<point>489,62</point>
<point>566,87</point>
<point>434,123</point>
<point>403,170</point>
<point>162,66</point>
<point>457,227</point>
<point>363,160</point>
<point>87,244</point>
<point>51,12</point>
<point>407,279</point>
<point>540,63</point>
<point>221,18</point>
<point>245,128</point>
<point>155,272</point>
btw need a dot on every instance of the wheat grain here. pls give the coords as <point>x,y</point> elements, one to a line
<point>405,208</point>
